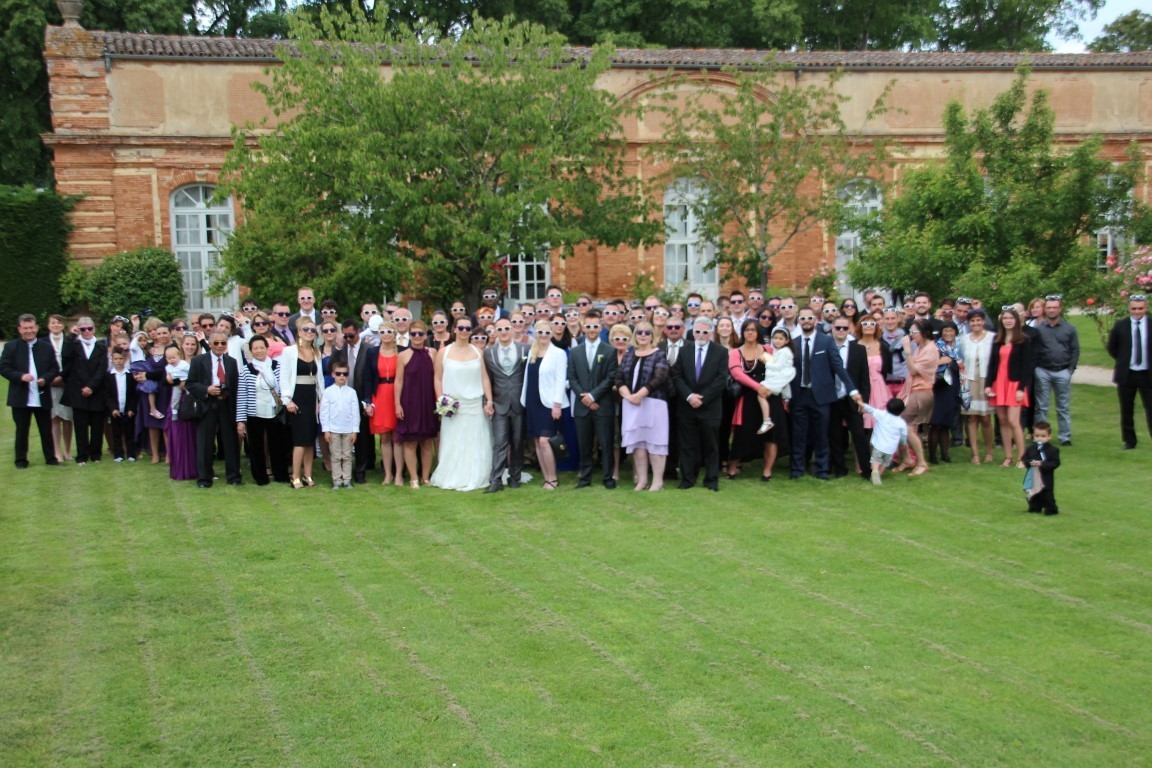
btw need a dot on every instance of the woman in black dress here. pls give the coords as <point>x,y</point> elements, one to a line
<point>758,368</point>
<point>300,393</point>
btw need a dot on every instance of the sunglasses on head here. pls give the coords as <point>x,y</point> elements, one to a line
<point>1008,308</point>
<point>1138,297</point>
<point>1053,297</point>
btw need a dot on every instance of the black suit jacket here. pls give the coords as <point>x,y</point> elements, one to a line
<point>709,385</point>
<point>200,378</point>
<point>857,369</point>
<point>112,397</point>
<point>14,364</point>
<point>80,372</point>
<point>1048,464</point>
<point>1120,347</point>
<point>597,381</point>
<point>826,368</point>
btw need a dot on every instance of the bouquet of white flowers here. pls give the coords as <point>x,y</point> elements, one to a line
<point>447,406</point>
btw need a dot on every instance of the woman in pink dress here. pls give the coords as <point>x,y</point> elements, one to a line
<point>879,365</point>
<point>1009,381</point>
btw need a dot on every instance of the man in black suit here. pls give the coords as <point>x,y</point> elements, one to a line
<point>85,361</point>
<point>29,364</point>
<point>818,368</point>
<point>844,414</point>
<point>214,378</point>
<point>672,345</point>
<point>355,354</point>
<point>1129,346</point>
<point>700,374</point>
<point>591,371</point>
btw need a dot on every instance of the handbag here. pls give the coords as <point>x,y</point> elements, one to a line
<point>735,388</point>
<point>190,409</point>
<point>559,447</point>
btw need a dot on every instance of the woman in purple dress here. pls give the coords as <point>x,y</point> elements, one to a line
<point>416,423</point>
<point>180,435</point>
<point>145,424</point>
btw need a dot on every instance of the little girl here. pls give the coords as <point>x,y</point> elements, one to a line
<point>177,369</point>
<point>778,372</point>
<point>138,351</point>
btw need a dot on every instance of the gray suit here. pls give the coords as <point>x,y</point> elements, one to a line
<point>508,420</point>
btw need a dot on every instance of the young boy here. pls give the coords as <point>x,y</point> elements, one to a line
<point>1043,458</point>
<point>340,420</point>
<point>889,435</point>
<point>120,403</point>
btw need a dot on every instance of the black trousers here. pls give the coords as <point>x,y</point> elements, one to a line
<point>602,427</point>
<point>1044,501</point>
<point>809,423</point>
<point>123,436</point>
<point>699,446</point>
<point>365,450</point>
<point>23,418</point>
<point>1138,382</point>
<point>269,444</point>
<point>844,419</point>
<point>88,427</point>
<point>220,415</point>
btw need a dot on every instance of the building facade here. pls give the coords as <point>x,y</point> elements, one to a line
<point>142,124</point>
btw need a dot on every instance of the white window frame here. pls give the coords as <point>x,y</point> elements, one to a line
<point>200,228</point>
<point>686,253</point>
<point>528,277</point>
<point>1113,238</point>
<point>861,197</point>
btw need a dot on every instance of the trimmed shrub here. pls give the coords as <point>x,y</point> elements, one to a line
<point>131,282</point>
<point>34,229</point>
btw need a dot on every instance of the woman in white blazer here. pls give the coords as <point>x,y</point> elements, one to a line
<point>301,386</point>
<point>544,395</point>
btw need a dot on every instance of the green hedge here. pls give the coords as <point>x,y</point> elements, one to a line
<point>133,281</point>
<point>34,229</point>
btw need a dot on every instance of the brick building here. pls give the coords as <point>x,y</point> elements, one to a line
<point>141,126</point>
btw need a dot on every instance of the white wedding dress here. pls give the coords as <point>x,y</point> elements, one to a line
<point>465,459</point>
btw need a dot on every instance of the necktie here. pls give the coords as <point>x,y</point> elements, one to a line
<point>806,379</point>
<point>673,352</point>
<point>352,361</point>
<point>220,371</point>
<point>591,347</point>
<point>699,360</point>
<point>1138,342</point>
<point>506,358</point>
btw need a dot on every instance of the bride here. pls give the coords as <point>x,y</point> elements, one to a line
<point>465,438</point>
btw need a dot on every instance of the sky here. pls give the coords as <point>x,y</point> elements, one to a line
<point>1090,30</point>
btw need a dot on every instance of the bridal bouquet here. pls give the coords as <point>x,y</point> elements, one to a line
<point>447,406</point>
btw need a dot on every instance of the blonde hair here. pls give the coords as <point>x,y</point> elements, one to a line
<point>311,342</point>
<point>537,345</point>
<point>620,329</point>
<point>646,326</point>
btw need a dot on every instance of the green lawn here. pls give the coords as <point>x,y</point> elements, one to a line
<point>927,622</point>
<point>1092,351</point>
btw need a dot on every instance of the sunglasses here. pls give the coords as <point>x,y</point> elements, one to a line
<point>503,328</point>
<point>249,308</point>
<point>765,317</point>
<point>206,326</point>
<point>583,303</point>
<point>849,306</point>
<point>386,332</point>
<point>808,318</point>
<point>439,322</point>
<point>305,298</point>
<point>700,332</point>
<point>868,324</point>
<point>219,343</point>
<point>735,301</point>
<point>351,337</point>
<point>543,333</point>
<point>489,296</point>
<point>840,327</point>
<point>642,333</point>
<point>184,327</point>
<point>673,327</point>
<point>787,306</point>
<point>592,326</point>
<point>650,307</point>
<point>307,330</point>
<point>371,312</point>
<point>621,339</point>
<point>479,338</point>
<point>339,373</point>
<point>529,313</point>
<point>418,334</point>
<point>555,295</point>
<point>458,310</point>
<point>463,329</point>
<point>517,322</point>
<point>327,311</point>
<point>660,313</point>
<point>86,328</point>
<point>1138,297</point>
<point>328,330</point>
<point>611,313</point>
<point>1053,297</point>
<point>255,324</point>
<point>282,314</point>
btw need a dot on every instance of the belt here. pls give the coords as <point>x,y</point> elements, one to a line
<point>1055,368</point>
<point>387,381</point>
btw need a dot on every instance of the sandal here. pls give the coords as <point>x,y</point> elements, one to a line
<point>989,459</point>
<point>308,482</point>
<point>1007,463</point>
<point>765,425</point>
<point>920,470</point>
<point>903,467</point>
<point>975,459</point>
<point>1020,465</point>
<point>296,483</point>
<point>551,485</point>
<point>414,484</point>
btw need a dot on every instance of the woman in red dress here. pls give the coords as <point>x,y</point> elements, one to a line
<point>1009,382</point>
<point>380,377</point>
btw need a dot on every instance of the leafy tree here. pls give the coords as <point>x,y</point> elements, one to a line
<point>1006,214</point>
<point>1130,32</point>
<point>859,25</point>
<point>772,156</point>
<point>1010,25</point>
<point>132,281</point>
<point>421,175</point>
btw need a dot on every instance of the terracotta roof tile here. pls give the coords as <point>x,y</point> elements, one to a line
<point>125,45</point>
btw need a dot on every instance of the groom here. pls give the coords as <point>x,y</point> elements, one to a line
<point>505,361</point>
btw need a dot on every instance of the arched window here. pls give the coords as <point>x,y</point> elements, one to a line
<point>200,228</point>
<point>686,254</point>
<point>861,197</point>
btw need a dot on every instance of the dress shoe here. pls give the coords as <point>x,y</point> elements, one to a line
<point>822,477</point>
<point>765,478</point>
<point>21,465</point>
<point>56,463</point>
<point>610,484</point>
<point>1066,443</point>
<point>358,479</point>
<point>1053,512</point>
<point>715,488</point>
<point>583,482</point>
<point>1129,447</point>
<point>496,488</point>
<point>685,485</point>
<point>203,483</point>
<point>513,482</point>
<point>235,482</point>
<point>797,475</point>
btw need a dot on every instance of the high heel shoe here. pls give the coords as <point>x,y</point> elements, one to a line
<point>296,484</point>
<point>1007,463</point>
<point>308,482</point>
<point>551,485</point>
<point>415,484</point>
